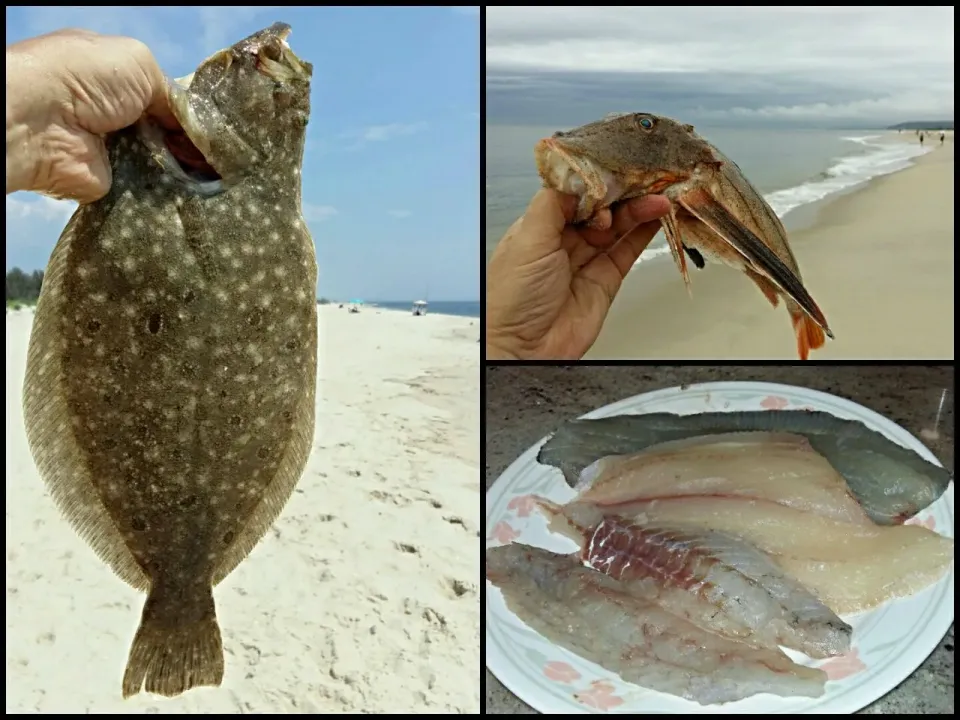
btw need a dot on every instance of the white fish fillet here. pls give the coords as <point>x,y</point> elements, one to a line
<point>851,568</point>
<point>777,467</point>
<point>587,613</point>
<point>716,581</point>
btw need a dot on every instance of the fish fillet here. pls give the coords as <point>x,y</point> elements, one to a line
<point>851,568</point>
<point>716,581</point>
<point>588,613</point>
<point>778,467</point>
<point>889,481</point>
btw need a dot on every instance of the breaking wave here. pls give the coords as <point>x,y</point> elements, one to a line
<point>874,159</point>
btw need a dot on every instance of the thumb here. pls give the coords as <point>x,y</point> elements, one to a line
<point>93,173</point>
<point>541,228</point>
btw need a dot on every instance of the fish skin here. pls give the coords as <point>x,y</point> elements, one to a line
<point>715,210</point>
<point>891,483</point>
<point>171,374</point>
<point>588,613</point>
<point>716,581</point>
<point>776,467</point>
<point>850,568</point>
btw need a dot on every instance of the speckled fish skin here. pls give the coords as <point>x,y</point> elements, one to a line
<point>891,482</point>
<point>171,375</point>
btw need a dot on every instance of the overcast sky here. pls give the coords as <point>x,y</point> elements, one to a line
<point>860,66</point>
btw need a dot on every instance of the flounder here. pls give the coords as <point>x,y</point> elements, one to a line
<point>171,376</point>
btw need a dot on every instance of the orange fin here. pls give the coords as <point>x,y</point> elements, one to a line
<point>704,206</point>
<point>809,335</point>
<point>768,289</point>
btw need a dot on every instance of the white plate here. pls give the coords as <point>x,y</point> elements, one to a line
<point>889,643</point>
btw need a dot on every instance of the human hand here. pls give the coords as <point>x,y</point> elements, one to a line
<point>65,90</point>
<point>551,284</point>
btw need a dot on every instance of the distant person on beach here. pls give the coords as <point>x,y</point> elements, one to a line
<point>550,284</point>
<point>941,137</point>
<point>65,91</point>
<point>921,139</point>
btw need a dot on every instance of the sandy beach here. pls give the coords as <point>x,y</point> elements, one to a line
<point>878,261</point>
<point>363,597</point>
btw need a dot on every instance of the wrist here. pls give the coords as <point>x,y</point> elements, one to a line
<point>495,352</point>
<point>498,347</point>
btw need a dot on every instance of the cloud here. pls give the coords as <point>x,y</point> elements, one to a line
<point>381,133</point>
<point>881,64</point>
<point>399,213</point>
<point>318,213</point>
<point>40,208</point>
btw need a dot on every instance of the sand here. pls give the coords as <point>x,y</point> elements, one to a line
<point>878,261</point>
<point>364,596</point>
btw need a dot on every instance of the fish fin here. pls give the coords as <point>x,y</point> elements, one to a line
<point>768,289</point>
<point>169,660</point>
<point>672,230</point>
<point>763,260</point>
<point>57,453</point>
<point>809,335</point>
<point>276,494</point>
<point>695,256</point>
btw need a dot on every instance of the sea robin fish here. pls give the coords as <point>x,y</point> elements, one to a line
<point>716,214</point>
<point>169,394</point>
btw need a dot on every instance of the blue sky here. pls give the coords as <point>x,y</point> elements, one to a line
<point>391,177</point>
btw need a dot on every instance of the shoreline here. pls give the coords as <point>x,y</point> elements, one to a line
<point>883,277</point>
<point>386,514</point>
<point>802,217</point>
<point>380,308</point>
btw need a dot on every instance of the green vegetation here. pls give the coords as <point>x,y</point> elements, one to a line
<point>23,289</point>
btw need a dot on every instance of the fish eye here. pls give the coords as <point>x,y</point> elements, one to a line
<point>646,123</point>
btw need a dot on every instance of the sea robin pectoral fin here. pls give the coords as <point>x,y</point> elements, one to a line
<point>672,230</point>
<point>765,262</point>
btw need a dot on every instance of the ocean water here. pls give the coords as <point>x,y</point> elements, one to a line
<point>439,307</point>
<point>791,168</point>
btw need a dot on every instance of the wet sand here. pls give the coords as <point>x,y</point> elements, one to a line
<point>362,598</point>
<point>878,261</point>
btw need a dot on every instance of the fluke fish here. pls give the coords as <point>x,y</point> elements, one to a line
<point>170,384</point>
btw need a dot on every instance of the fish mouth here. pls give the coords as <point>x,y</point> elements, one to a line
<point>566,171</point>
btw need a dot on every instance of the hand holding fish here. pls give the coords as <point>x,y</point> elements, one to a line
<point>65,90</point>
<point>550,284</point>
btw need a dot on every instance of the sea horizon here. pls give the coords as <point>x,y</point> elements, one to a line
<point>460,308</point>
<point>793,168</point>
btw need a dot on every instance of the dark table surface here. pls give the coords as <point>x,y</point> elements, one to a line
<point>524,404</point>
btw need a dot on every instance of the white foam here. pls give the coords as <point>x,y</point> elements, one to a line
<point>880,158</point>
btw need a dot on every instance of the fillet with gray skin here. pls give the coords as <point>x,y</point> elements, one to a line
<point>590,614</point>
<point>171,375</point>
<point>890,482</point>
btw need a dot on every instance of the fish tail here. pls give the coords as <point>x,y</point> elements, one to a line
<point>810,336</point>
<point>177,646</point>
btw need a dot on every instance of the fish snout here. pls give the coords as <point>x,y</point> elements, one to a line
<point>557,169</point>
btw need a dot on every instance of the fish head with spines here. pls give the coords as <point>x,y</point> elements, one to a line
<point>246,107</point>
<point>622,156</point>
